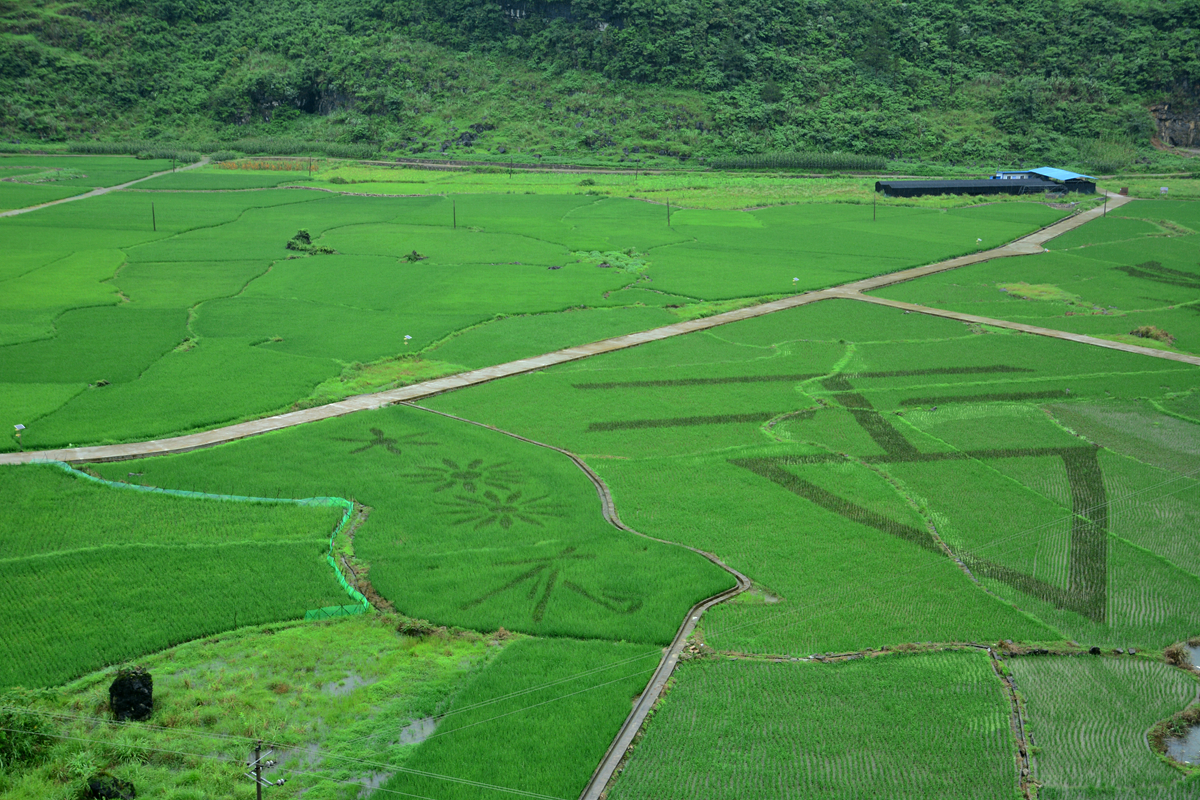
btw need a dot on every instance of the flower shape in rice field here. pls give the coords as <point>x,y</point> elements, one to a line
<point>540,581</point>
<point>469,478</point>
<point>390,443</point>
<point>492,509</point>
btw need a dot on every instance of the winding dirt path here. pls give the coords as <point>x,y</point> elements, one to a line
<point>101,191</point>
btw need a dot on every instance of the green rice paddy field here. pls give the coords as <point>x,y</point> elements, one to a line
<point>897,485</point>
<point>1138,267</point>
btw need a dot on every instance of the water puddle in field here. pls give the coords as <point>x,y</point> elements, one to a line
<point>372,782</point>
<point>345,686</point>
<point>1185,749</point>
<point>417,731</point>
<point>1194,650</point>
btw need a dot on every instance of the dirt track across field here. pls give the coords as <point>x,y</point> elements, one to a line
<point>101,191</point>
<point>407,394</point>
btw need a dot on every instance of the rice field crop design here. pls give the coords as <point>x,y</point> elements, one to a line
<point>494,509</point>
<point>468,477</point>
<point>391,444</point>
<point>925,451</point>
<point>445,543</point>
<point>548,569</point>
<point>1087,572</point>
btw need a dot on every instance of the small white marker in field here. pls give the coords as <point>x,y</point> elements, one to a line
<point>979,241</point>
<point>406,338</point>
<point>19,427</point>
<point>795,280</point>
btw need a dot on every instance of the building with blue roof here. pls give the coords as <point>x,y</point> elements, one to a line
<point>1026,181</point>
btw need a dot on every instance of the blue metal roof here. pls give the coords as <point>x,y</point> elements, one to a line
<point>1052,173</point>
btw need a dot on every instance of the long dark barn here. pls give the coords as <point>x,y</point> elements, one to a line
<point>1034,181</point>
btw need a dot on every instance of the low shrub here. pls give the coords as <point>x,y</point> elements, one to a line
<point>1153,332</point>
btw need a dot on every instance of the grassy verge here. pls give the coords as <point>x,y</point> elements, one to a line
<point>330,699</point>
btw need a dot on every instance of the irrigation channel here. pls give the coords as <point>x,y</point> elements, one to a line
<point>407,395</point>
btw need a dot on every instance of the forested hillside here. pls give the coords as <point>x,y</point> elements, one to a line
<point>943,80</point>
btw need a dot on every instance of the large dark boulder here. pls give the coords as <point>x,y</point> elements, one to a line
<point>106,787</point>
<point>131,695</point>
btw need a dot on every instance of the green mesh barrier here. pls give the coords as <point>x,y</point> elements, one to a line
<point>361,603</point>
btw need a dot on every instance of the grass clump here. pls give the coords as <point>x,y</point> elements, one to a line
<point>1152,332</point>
<point>302,243</point>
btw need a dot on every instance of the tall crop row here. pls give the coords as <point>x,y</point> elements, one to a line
<point>814,161</point>
<point>274,147</point>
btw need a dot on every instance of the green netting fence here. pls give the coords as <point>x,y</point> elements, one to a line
<point>360,604</point>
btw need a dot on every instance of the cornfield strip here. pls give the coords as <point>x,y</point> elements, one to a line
<point>697,381</point>
<point>996,397</point>
<point>681,422</point>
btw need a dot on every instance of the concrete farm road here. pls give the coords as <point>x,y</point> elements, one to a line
<point>101,191</point>
<point>407,394</point>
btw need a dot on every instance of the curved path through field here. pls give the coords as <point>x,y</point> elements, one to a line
<point>365,402</point>
<point>102,190</point>
<point>666,665</point>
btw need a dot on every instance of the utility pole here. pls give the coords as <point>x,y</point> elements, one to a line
<point>668,212</point>
<point>258,764</point>
<point>454,213</point>
<point>1106,204</point>
<point>153,221</point>
<point>874,205</point>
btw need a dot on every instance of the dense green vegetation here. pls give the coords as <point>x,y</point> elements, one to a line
<point>885,479</point>
<point>112,310</point>
<point>94,575</point>
<point>335,700</point>
<point>536,720</point>
<point>468,527</point>
<point>979,82</point>
<point>923,726</point>
<point>1084,750</point>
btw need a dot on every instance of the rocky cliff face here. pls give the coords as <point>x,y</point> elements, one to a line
<point>1177,127</point>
